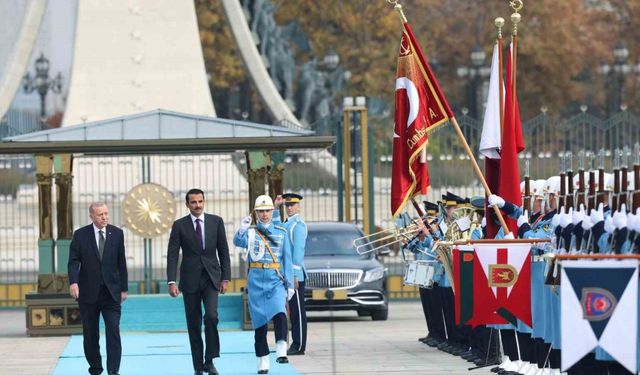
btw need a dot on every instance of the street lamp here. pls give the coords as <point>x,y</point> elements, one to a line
<point>615,76</point>
<point>476,73</point>
<point>42,82</point>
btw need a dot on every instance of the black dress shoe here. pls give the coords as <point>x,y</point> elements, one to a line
<point>294,351</point>
<point>483,361</point>
<point>210,369</point>
<point>282,360</point>
<point>435,341</point>
<point>263,371</point>
<point>198,372</point>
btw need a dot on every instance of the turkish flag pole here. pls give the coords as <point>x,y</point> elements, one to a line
<point>435,89</point>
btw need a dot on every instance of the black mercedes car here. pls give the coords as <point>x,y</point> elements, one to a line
<point>340,278</point>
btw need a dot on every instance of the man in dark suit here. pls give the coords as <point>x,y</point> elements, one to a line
<point>204,272</point>
<point>98,280</point>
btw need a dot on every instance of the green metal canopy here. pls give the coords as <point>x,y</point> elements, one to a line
<point>163,131</point>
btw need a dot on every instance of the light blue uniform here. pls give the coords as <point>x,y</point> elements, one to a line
<point>297,230</point>
<point>476,234</point>
<point>267,291</point>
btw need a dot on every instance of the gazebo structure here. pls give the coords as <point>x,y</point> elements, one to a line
<point>149,133</point>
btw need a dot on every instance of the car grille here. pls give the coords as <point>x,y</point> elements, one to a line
<point>332,278</point>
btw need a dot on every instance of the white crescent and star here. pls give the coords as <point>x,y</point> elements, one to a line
<point>414,99</point>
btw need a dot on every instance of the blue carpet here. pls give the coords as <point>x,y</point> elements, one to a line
<point>169,354</point>
<point>163,313</point>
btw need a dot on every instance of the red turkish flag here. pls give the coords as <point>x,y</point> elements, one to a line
<point>420,108</point>
<point>502,283</point>
<point>512,144</point>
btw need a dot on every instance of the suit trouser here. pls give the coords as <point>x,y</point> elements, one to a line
<point>298,319</point>
<point>280,329</point>
<point>206,294</point>
<point>90,315</point>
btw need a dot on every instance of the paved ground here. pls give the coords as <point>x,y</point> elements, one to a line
<point>22,354</point>
<point>355,345</point>
<point>350,345</point>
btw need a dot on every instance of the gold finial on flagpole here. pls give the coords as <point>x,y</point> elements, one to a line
<point>398,8</point>
<point>499,22</point>
<point>516,5</point>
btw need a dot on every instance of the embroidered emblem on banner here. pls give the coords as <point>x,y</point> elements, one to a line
<point>502,275</point>
<point>597,304</point>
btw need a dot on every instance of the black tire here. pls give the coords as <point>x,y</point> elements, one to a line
<point>380,314</point>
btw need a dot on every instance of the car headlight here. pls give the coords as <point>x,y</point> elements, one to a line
<point>373,274</point>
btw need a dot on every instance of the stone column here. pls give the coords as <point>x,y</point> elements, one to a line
<point>62,165</point>
<point>46,244</point>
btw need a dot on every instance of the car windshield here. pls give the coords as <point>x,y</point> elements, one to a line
<point>336,240</point>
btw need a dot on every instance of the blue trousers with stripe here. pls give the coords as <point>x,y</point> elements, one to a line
<point>298,319</point>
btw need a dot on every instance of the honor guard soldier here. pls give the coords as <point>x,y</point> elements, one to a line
<point>297,230</point>
<point>454,343</point>
<point>269,281</point>
<point>431,302</point>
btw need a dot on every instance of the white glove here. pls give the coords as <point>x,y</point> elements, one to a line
<point>578,215</point>
<point>495,200</point>
<point>509,236</point>
<point>608,225</point>
<point>524,218</point>
<point>565,219</point>
<point>290,293</point>
<point>631,220</point>
<point>483,223</point>
<point>245,224</point>
<point>586,223</point>
<point>597,215</point>
<point>555,220</point>
<point>620,219</point>
<point>623,208</point>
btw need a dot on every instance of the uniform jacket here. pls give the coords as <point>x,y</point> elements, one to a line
<point>297,230</point>
<point>266,288</point>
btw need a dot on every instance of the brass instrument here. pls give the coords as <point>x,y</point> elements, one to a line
<point>454,233</point>
<point>387,237</point>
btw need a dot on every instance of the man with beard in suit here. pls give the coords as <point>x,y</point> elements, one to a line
<point>205,271</point>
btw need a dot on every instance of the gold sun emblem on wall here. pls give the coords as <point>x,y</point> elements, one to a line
<point>149,210</point>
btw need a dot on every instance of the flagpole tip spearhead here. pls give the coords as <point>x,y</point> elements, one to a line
<point>499,22</point>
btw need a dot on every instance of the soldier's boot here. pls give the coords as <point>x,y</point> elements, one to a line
<point>263,364</point>
<point>281,352</point>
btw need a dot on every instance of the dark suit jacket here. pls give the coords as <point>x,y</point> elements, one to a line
<point>87,270</point>
<point>194,258</point>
